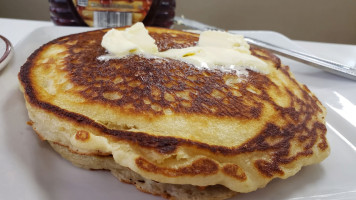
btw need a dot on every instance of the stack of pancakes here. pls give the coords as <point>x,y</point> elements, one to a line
<point>167,127</point>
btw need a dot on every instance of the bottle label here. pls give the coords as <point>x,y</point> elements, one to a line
<point>112,13</point>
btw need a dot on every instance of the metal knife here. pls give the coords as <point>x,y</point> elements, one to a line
<point>327,65</point>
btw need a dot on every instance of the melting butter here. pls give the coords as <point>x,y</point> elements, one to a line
<point>132,40</point>
<point>215,50</point>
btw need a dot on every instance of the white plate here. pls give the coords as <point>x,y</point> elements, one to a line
<point>30,169</point>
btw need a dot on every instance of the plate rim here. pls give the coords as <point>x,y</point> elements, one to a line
<point>8,52</point>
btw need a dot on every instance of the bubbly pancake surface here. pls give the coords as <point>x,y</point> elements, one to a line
<point>171,122</point>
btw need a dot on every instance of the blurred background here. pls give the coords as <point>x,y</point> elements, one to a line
<point>332,21</point>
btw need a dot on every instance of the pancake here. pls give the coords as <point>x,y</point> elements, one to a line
<point>170,128</point>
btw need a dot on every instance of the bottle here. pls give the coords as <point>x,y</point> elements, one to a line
<point>112,13</point>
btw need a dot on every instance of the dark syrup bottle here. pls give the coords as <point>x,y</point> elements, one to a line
<point>112,13</point>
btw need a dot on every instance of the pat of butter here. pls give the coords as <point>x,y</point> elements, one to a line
<point>133,40</point>
<point>215,50</point>
<point>217,58</point>
<point>224,40</point>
